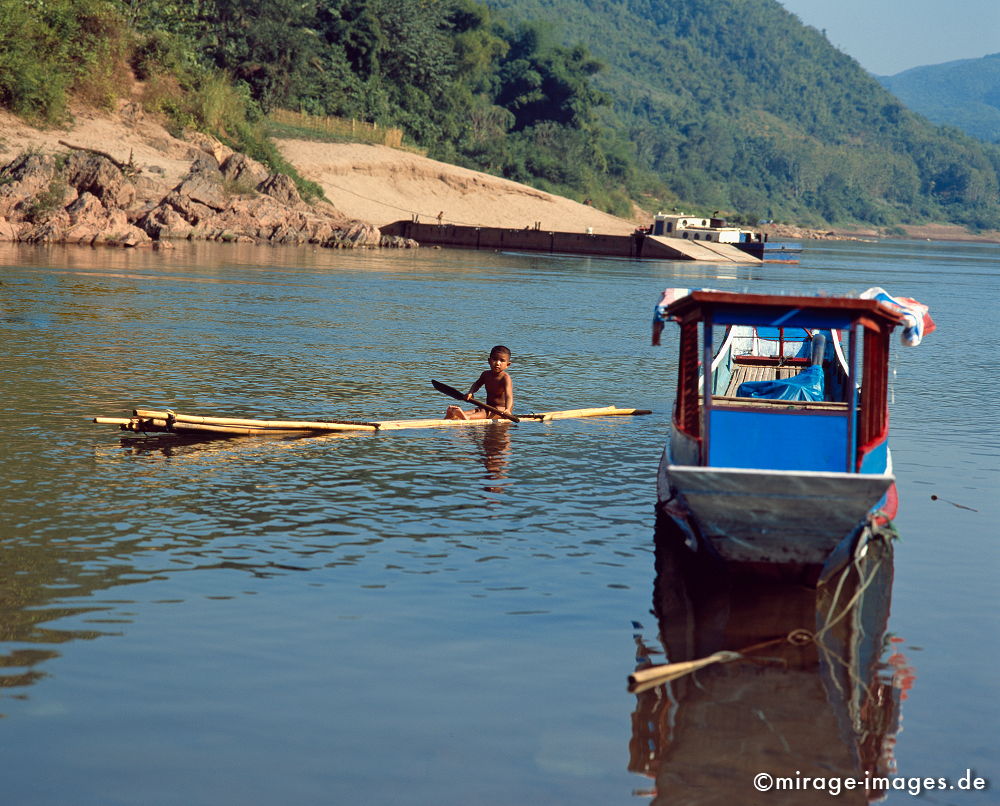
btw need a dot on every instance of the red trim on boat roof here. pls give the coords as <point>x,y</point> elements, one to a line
<point>871,312</point>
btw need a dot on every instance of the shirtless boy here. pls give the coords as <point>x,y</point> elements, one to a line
<point>499,388</point>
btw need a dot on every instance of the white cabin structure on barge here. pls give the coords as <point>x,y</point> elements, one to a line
<point>696,228</point>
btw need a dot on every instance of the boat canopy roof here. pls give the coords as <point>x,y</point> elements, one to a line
<point>776,310</point>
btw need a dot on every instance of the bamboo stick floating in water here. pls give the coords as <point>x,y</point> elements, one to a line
<point>645,679</point>
<point>604,411</point>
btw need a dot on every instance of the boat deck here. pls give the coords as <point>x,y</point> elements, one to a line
<point>760,372</point>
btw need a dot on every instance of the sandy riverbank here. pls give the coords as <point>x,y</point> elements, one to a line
<point>382,185</point>
<point>372,183</point>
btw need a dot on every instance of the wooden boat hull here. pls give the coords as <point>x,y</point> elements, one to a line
<point>163,421</point>
<point>780,523</point>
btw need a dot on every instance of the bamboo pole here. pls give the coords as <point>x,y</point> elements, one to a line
<point>645,679</point>
<point>235,430</point>
<point>159,424</point>
<point>606,411</point>
<point>399,425</point>
<point>293,425</point>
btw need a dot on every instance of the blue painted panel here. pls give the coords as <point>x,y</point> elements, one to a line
<point>877,459</point>
<point>781,317</point>
<point>778,440</point>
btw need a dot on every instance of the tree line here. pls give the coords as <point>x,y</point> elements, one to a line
<point>721,104</point>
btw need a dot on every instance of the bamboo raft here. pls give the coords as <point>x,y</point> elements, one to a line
<point>154,421</point>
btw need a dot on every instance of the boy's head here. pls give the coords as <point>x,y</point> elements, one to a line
<point>499,359</point>
<point>500,352</point>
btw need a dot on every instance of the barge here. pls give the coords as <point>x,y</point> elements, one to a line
<point>670,237</point>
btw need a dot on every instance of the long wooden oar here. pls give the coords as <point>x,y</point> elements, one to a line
<point>452,392</point>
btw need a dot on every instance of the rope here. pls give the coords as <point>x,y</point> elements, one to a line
<point>653,676</point>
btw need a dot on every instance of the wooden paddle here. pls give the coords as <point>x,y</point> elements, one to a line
<point>452,392</point>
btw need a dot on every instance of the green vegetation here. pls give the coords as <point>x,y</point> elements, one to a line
<point>49,200</point>
<point>738,106</point>
<point>52,48</point>
<point>710,104</point>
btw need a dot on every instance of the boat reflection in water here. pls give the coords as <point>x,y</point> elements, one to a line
<point>808,697</point>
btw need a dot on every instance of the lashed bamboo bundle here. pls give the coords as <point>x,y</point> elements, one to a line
<point>160,421</point>
<point>287,425</point>
<point>156,421</point>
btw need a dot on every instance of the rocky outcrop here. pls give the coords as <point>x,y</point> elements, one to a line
<point>85,198</point>
<point>79,199</point>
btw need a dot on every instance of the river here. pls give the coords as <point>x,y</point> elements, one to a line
<point>426,616</point>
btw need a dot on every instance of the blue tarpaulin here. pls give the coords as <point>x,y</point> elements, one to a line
<point>807,385</point>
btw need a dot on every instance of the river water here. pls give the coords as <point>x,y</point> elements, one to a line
<point>432,616</point>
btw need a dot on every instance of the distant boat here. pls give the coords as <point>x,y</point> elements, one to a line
<point>779,464</point>
<point>706,231</point>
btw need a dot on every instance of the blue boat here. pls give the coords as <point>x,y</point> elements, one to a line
<point>780,464</point>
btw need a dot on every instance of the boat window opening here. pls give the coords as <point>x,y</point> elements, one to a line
<point>686,406</point>
<point>873,417</point>
<point>852,402</point>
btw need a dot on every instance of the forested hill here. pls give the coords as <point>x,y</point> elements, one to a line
<point>730,105</point>
<point>964,94</point>
<point>738,105</point>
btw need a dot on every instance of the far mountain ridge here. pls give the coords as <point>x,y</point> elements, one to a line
<point>938,65</point>
<point>964,93</point>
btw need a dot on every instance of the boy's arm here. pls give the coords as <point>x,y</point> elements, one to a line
<point>477,384</point>
<point>509,394</point>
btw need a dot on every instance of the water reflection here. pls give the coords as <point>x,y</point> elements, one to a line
<point>492,443</point>
<point>181,446</point>
<point>45,583</point>
<point>823,704</point>
<point>245,513</point>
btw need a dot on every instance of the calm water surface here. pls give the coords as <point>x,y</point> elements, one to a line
<point>419,617</point>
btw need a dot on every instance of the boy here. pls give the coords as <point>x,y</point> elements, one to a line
<point>499,388</point>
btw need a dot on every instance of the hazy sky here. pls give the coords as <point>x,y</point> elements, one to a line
<point>889,36</point>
